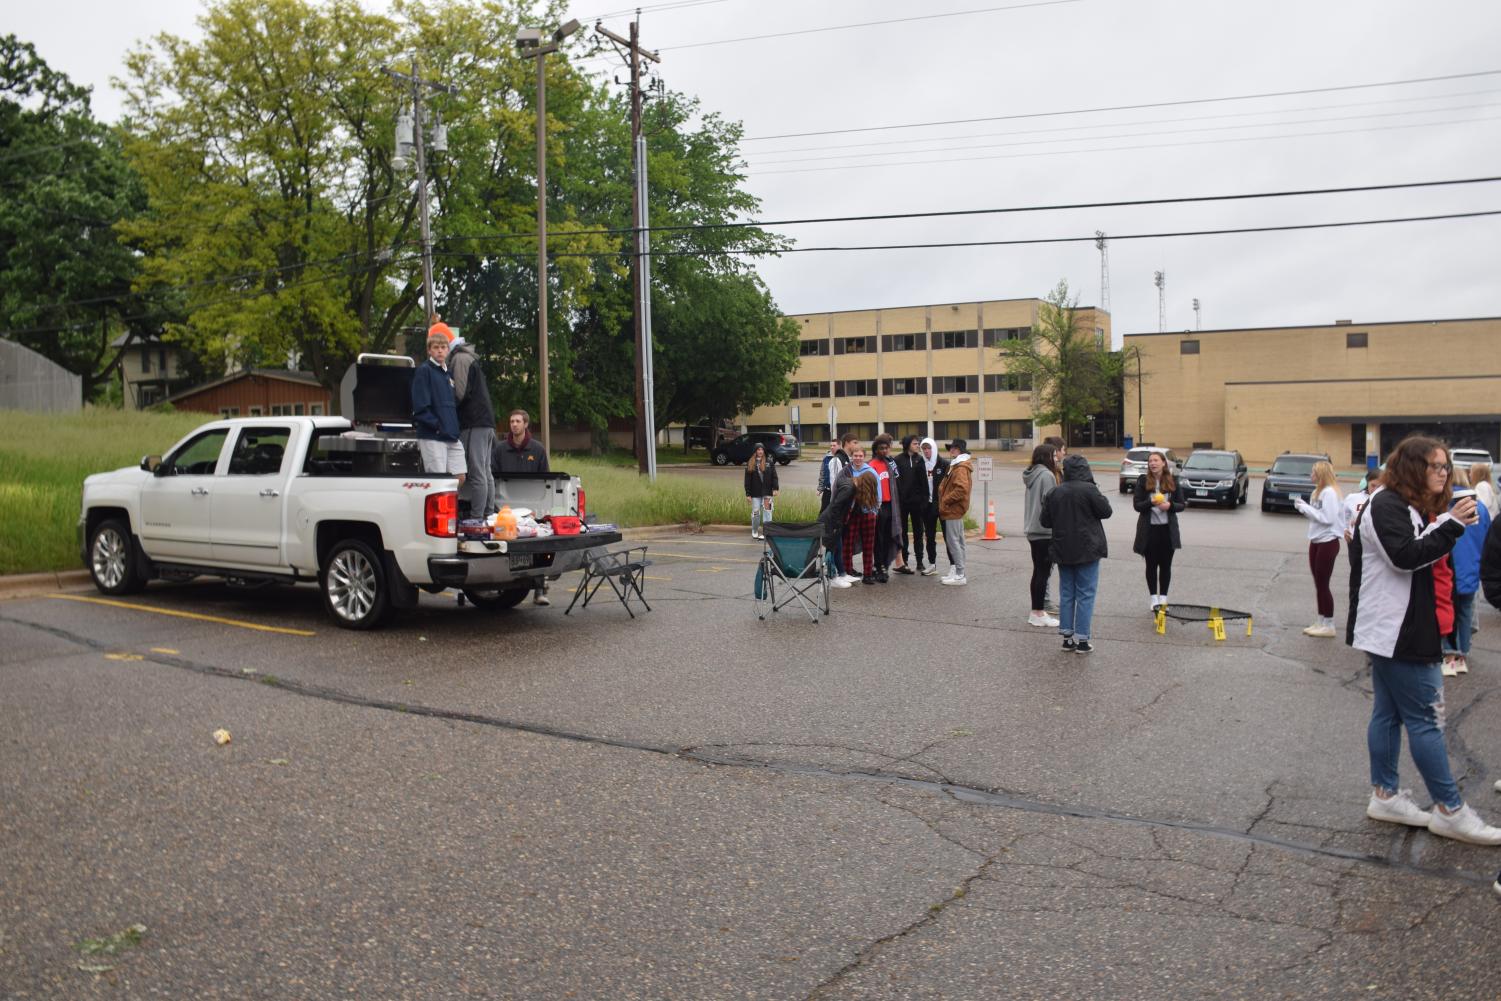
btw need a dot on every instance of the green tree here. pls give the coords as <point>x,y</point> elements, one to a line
<point>65,275</point>
<point>1072,374</point>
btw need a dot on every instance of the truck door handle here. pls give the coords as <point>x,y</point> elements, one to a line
<point>270,492</point>
<point>200,492</point>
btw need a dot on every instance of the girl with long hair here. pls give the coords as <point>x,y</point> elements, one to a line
<point>761,488</point>
<point>1406,528</point>
<point>1465,562</point>
<point>1326,523</point>
<point>1485,490</point>
<point>1040,477</point>
<point>1158,498</point>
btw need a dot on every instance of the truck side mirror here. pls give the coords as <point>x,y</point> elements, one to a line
<point>152,464</point>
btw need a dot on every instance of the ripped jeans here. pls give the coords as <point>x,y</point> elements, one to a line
<point>1410,694</point>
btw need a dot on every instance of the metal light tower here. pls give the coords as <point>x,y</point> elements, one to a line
<point>1103,246</point>
<point>409,149</point>
<point>1198,318</point>
<point>1159,278</point>
<point>529,41</point>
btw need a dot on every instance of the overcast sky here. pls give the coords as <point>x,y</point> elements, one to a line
<point>1066,56</point>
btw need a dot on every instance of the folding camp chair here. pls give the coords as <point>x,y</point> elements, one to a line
<point>622,569</point>
<point>792,558</point>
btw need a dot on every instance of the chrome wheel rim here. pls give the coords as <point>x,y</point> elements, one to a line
<point>351,585</point>
<point>109,558</point>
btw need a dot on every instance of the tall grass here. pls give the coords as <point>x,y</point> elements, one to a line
<point>43,460</point>
<point>45,457</point>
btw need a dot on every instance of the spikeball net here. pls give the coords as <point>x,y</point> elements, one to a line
<point>1211,616</point>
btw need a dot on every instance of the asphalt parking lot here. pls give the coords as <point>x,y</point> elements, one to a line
<point>918,797</point>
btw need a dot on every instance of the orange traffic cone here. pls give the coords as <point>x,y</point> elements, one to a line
<point>991,535</point>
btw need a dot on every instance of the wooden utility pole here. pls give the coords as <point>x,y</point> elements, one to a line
<point>631,51</point>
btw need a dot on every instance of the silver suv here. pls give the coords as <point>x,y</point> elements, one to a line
<point>1135,463</point>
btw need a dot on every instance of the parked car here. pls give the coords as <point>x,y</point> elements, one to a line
<point>782,448</point>
<point>1291,476</point>
<point>1215,475</point>
<point>704,436</point>
<point>1135,463</point>
<point>1464,458</point>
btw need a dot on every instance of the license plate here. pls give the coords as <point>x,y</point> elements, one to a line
<point>522,561</point>
<point>1201,493</point>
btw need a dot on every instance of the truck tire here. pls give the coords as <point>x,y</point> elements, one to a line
<point>721,459</point>
<point>114,562</point>
<point>355,589</point>
<point>497,598</point>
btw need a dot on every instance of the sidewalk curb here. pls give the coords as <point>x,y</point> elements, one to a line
<point>29,585</point>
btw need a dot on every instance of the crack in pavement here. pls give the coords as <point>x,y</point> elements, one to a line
<point>968,795</point>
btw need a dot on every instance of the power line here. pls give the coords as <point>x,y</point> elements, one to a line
<point>1062,239</point>
<point>866,24</point>
<point>1008,210</point>
<point>1131,135</point>
<point>1121,149</point>
<point>1149,121</point>
<point>1130,107</point>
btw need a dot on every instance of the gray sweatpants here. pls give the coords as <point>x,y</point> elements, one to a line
<point>953,538</point>
<point>479,488</point>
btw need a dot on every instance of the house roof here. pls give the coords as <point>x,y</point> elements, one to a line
<point>279,374</point>
<point>120,340</point>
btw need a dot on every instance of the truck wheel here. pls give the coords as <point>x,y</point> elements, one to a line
<point>355,590</point>
<point>113,562</point>
<point>496,598</point>
<point>721,459</point>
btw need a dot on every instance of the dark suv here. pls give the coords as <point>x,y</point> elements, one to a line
<point>781,447</point>
<point>1290,476</point>
<point>1214,475</point>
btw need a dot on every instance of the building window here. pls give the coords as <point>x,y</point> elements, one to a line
<point>904,387</point>
<point>255,411</point>
<point>943,339</point>
<point>315,409</point>
<point>1357,444</point>
<point>809,390</point>
<point>145,359</point>
<point>1008,382</point>
<point>1017,429</point>
<point>903,342</point>
<point>945,430</point>
<point>818,347</point>
<point>1356,340</point>
<point>956,384</point>
<point>297,410</point>
<point>1188,347</point>
<point>855,345</point>
<point>855,387</point>
<point>229,411</point>
<point>161,358</point>
<point>995,335</point>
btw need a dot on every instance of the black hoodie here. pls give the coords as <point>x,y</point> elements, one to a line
<point>1074,511</point>
<point>912,481</point>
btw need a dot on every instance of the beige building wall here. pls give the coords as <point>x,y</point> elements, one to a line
<point>1263,391</point>
<point>904,412</point>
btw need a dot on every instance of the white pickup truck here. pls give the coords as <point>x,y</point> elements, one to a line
<point>264,500</point>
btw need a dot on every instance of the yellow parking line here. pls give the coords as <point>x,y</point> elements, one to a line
<point>690,556</point>
<point>164,649</point>
<point>185,615</point>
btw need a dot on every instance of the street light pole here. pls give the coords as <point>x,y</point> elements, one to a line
<point>418,145</point>
<point>529,41</point>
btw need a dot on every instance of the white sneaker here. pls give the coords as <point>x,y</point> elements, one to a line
<point>1320,630</point>
<point>1399,809</point>
<point>958,581</point>
<point>1044,620</point>
<point>1461,665</point>
<point>840,582</point>
<point>1463,824</point>
<point>1447,669</point>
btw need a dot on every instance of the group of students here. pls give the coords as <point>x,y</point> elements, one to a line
<point>1062,514</point>
<point>455,424</point>
<point>1333,519</point>
<point>890,509</point>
